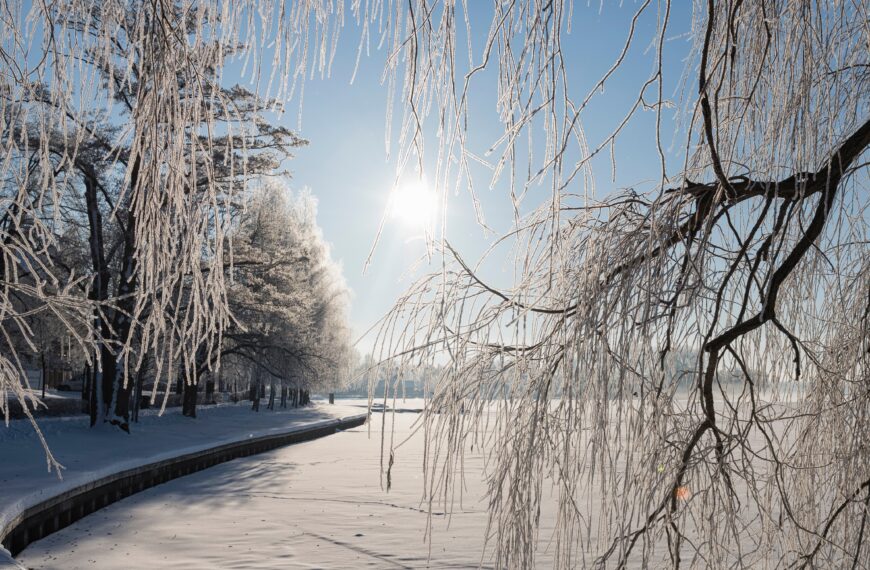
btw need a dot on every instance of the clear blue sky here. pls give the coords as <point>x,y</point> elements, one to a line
<point>346,165</point>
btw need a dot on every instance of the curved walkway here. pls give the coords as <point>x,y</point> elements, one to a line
<point>105,465</point>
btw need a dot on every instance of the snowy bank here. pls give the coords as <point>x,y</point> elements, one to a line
<point>7,562</point>
<point>103,464</point>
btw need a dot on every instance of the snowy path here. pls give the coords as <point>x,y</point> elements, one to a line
<point>89,454</point>
<point>317,504</point>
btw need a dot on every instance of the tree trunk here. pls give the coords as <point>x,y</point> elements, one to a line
<point>137,393</point>
<point>44,375</point>
<point>91,394</point>
<point>255,394</point>
<point>190,390</point>
<point>271,405</point>
<point>100,394</point>
<point>188,400</point>
<point>122,323</point>
<point>113,392</point>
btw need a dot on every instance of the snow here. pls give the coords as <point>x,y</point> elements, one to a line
<point>7,562</point>
<point>318,504</point>
<point>92,453</point>
<point>51,394</point>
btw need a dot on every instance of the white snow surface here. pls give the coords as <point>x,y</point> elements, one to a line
<point>317,504</point>
<point>7,562</point>
<point>88,454</point>
<point>51,394</point>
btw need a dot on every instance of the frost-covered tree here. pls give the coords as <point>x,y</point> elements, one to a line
<point>39,300</point>
<point>117,122</point>
<point>748,252</point>
<point>287,297</point>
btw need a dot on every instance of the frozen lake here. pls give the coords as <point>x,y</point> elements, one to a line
<point>321,504</point>
<point>313,505</point>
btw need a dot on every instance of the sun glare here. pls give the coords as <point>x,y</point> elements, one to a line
<point>414,205</point>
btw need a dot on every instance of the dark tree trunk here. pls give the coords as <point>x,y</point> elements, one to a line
<point>283,396</point>
<point>44,375</point>
<point>100,393</point>
<point>91,396</point>
<point>137,394</point>
<point>271,405</point>
<point>209,391</point>
<point>191,385</point>
<point>188,401</point>
<point>109,383</point>
<point>255,395</point>
<point>106,377</point>
<point>122,321</point>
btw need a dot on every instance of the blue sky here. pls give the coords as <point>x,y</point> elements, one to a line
<point>347,169</point>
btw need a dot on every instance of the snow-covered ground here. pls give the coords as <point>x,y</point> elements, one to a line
<point>89,454</point>
<point>52,394</point>
<point>7,562</point>
<point>317,504</point>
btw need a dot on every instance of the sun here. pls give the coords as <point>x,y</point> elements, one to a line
<point>414,205</point>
